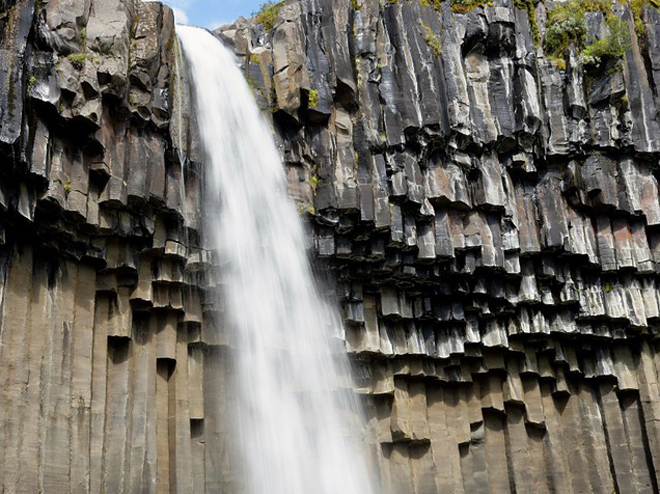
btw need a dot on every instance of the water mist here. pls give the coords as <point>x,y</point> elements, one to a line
<point>294,414</point>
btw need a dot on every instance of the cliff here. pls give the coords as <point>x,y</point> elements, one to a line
<point>101,359</point>
<point>489,204</point>
<point>489,210</point>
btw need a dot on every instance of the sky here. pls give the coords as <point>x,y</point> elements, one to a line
<point>212,13</point>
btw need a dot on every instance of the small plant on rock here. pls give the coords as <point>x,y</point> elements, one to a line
<point>465,6</point>
<point>566,27</point>
<point>436,4</point>
<point>313,98</point>
<point>528,6</point>
<point>78,59</point>
<point>314,183</point>
<point>432,40</point>
<point>267,14</point>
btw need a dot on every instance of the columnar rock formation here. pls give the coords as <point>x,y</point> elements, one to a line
<point>103,352</point>
<point>491,218</point>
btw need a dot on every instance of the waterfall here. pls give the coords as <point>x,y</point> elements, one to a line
<point>294,413</point>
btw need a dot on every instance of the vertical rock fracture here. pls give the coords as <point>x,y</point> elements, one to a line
<point>481,177</point>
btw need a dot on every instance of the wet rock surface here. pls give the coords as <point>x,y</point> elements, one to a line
<point>490,218</point>
<point>103,265</point>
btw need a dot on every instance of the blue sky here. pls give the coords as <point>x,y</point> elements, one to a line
<point>212,13</point>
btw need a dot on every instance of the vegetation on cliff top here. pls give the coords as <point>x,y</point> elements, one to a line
<point>464,6</point>
<point>431,3</point>
<point>566,27</point>
<point>268,14</point>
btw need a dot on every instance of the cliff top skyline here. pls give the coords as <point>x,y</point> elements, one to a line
<point>212,13</point>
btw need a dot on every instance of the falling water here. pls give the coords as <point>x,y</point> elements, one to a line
<point>293,411</point>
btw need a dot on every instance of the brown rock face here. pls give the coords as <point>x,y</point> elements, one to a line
<point>491,221</point>
<point>103,356</point>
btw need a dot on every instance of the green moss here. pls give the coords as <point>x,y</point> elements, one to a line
<point>528,6</point>
<point>78,59</point>
<point>302,209</point>
<point>566,27</point>
<point>32,81</point>
<point>465,6</point>
<point>637,8</point>
<point>257,89</point>
<point>313,98</point>
<point>432,40</point>
<point>267,14</point>
<point>560,62</point>
<point>356,5</point>
<point>254,58</point>
<point>436,4</point>
<point>67,187</point>
<point>314,183</point>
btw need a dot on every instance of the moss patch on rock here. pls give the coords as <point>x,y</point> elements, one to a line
<point>465,6</point>
<point>268,14</point>
<point>528,6</point>
<point>313,98</point>
<point>637,7</point>
<point>78,59</point>
<point>432,39</point>
<point>566,27</point>
<point>436,4</point>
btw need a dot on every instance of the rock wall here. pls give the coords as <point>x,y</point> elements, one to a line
<point>105,355</point>
<point>492,218</point>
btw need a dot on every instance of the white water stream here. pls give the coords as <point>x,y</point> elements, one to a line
<point>295,417</point>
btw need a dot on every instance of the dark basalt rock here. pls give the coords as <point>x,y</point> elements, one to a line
<point>508,211</point>
<point>488,220</point>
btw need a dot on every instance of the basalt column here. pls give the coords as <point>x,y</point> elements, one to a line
<point>105,344</point>
<point>489,207</point>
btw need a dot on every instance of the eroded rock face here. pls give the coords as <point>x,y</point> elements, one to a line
<point>102,281</point>
<point>490,218</point>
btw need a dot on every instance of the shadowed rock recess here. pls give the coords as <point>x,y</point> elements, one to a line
<point>490,218</point>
